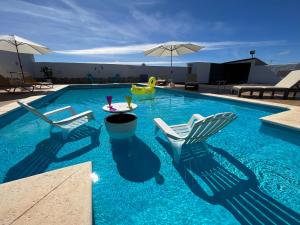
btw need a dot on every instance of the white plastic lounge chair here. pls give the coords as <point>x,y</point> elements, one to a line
<point>68,123</point>
<point>197,129</point>
<point>285,85</point>
<point>10,85</point>
<point>191,82</point>
<point>30,80</point>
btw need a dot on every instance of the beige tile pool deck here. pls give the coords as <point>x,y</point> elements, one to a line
<point>9,102</point>
<point>64,196</point>
<point>59,197</point>
<point>289,119</point>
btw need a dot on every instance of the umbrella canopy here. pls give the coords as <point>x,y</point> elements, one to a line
<point>13,43</point>
<point>173,49</point>
<point>10,42</point>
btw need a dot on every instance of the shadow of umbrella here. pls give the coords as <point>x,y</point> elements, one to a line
<point>45,153</point>
<point>135,160</point>
<point>242,197</point>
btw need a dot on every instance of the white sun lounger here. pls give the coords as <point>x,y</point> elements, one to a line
<point>197,129</point>
<point>69,123</point>
<point>285,85</point>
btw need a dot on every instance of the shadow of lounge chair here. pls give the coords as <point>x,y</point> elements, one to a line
<point>241,196</point>
<point>46,151</point>
<point>286,85</point>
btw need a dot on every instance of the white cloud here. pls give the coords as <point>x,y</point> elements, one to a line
<point>140,62</point>
<point>65,24</point>
<point>47,12</point>
<point>140,48</point>
<point>286,52</point>
<point>122,50</point>
<point>72,18</point>
<point>239,44</point>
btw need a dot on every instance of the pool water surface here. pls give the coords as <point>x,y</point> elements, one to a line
<point>248,173</point>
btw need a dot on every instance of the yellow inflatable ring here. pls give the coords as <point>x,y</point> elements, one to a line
<point>150,89</point>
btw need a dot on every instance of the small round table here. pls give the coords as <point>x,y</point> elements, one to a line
<point>121,124</point>
<point>120,107</point>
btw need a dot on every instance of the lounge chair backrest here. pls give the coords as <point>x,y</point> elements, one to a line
<point>203,129</point>
<point>162,77</point>
<point>290,80</point>
<point>4,80</point>
<point>191,77</point>
<point>34,111</point>
<point>29,79</point>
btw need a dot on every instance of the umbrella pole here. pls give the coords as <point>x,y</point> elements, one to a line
<point>172,82</point>
<point>20,63</point>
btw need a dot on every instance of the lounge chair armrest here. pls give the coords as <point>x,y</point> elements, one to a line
<point>193,118</point>
<point>166,129</point>
<point>69,108</point>
<point>88,114</point>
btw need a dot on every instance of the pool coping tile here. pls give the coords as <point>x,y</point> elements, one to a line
<point>288,119</point>
<point>62,196</point>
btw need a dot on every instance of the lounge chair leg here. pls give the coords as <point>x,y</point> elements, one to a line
<point>176,152</point>
<point>273,93</point>
<point>65,133</point>
<point>156,129</point>
<point>130,140</point>
<point>294,95</point>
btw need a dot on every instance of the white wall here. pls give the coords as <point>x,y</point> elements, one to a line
<point>282,70</point>
<point>202,70</point>
<point>9,63</point>
<point>260,74</point>
<point>80,70</point>
<point>269,74</point>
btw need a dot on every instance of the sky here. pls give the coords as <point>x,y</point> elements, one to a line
<point>118,31</point>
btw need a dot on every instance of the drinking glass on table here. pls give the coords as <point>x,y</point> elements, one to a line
<point>109,101</point>
<point>128,100</point>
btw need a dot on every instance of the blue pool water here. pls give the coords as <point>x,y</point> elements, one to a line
<point>248,173</point>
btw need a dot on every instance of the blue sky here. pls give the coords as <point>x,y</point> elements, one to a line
<point>117,31</point>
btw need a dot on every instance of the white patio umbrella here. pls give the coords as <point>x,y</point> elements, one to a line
<point>13,43</point>
<point>173,49</point>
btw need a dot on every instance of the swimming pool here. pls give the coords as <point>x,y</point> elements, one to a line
<point>138,182</point>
